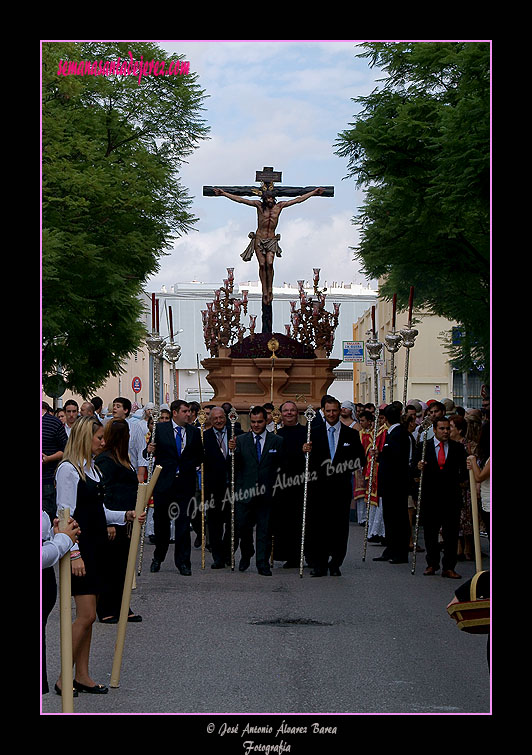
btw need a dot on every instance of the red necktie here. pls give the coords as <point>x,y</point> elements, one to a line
<point>441,456</point>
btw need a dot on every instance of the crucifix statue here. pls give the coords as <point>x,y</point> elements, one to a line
<point>264,241</point>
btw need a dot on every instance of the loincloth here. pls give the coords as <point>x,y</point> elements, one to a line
<point>266,245</point>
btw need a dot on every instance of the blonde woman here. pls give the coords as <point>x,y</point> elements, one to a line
<point>79,488</point>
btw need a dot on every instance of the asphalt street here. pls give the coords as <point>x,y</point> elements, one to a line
<point>375,640</point>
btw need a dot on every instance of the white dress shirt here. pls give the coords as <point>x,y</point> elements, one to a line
<point>336,433</point>
<point>437,447</point>
<point>221,438</point>
<point>137,444</point>
<point>183,434</point>
<point>261,441</point>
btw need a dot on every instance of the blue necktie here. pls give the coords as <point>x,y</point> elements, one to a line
<point>257,443</point>
<point>331,441</point>
<point>178,440</point>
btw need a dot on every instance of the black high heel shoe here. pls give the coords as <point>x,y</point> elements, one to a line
<point>98,689</point>
<point>58,691</point>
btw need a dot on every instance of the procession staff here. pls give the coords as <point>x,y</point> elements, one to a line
<point>309,415</point>
<point>202,416</point>
<point>144,493</point>
<point>151,436</point>
<point>143,531</point>
<point>374,349</point>
<point>273,345</point>
<point>427,423</point>
<point>409,335</point>
<point>65,618</point>
<point>233,416</point>
<point>476,526</point>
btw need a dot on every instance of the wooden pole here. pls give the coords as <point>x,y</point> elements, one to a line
<point>144,492</point>
<point>65,619</point>
<point>476,527</point>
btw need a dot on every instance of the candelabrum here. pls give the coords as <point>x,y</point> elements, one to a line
<point>222,319</point>
<point>312,324</point>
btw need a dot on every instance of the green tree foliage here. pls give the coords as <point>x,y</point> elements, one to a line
<point>111,201</point>
<point>420,147</point>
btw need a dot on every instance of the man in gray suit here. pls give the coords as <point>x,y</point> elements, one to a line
<point>257,457</point>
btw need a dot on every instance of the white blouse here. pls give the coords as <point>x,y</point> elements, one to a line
<point>54,547</point>
<point>67,479</point>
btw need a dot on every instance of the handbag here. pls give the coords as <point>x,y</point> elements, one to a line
<point>472,616</point>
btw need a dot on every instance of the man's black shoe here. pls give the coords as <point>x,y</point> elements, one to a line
<point>218,565</point>
<point>398,560</point>
<point>381,558</point>
<point>334,571</point>
<point>155,565</point>
<point>244,564</point>
<point>318,573</point>
<point>265,571</point>
<point>186,571</point>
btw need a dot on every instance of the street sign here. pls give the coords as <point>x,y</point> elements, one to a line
<point>136,384</point>
<point>353,351</point>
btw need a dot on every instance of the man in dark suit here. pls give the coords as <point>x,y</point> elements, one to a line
<point>178,450</point>
<point>335,453</point>
<point>445,468</point>
<point>257,456</point>
<point>217,486</point>
<point>394,486</point>
<point>319,419</point>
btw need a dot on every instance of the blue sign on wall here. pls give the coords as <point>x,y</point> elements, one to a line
<point>353,351</point>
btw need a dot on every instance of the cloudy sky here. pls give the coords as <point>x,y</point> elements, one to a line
<point>279,104</point>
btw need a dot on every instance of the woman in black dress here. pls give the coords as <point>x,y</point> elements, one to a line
<point>79,488</point>
<point>120,483</point>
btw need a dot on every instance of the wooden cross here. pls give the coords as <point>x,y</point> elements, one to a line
<point>268,176</point>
